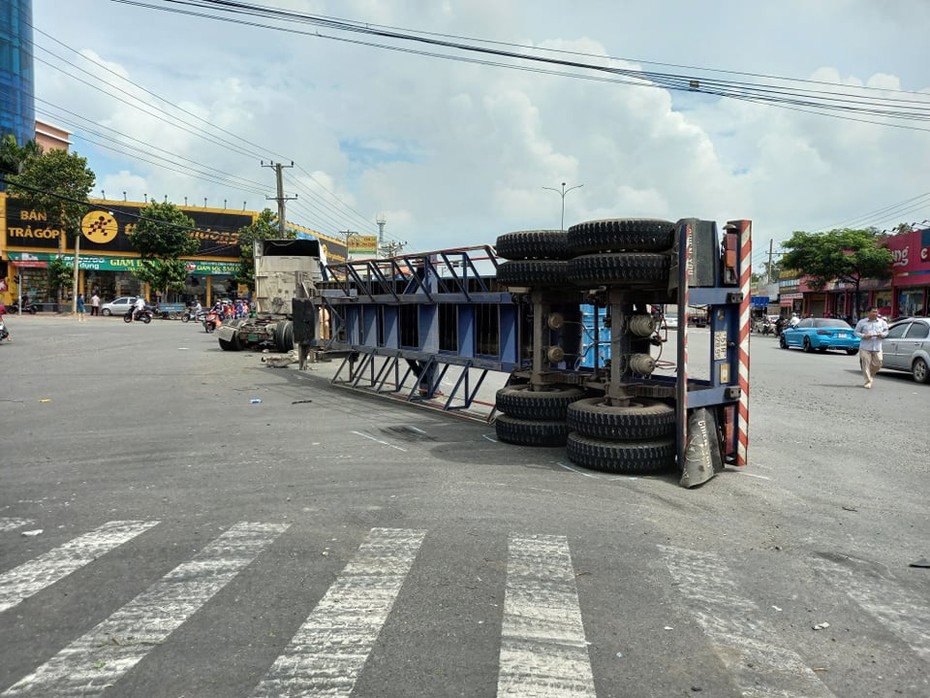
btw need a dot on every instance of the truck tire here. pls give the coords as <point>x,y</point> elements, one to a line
<point>227,345</point>
<point>532,272</point>
<point>530,432</point>
<point>624,457</point>
<point>289,336</point>
<point>533,244</point>
<point>279,339</point>
<point>522,402</point>
<point>640,420</point>
<point>621,235</point>
<point>619,268</point>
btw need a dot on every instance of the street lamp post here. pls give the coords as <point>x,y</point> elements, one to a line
<point>562,193</point>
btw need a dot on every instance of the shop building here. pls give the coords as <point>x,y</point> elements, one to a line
<point>107,259</point>
<point>910,279</point>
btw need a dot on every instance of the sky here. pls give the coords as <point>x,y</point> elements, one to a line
<point>453,153</point>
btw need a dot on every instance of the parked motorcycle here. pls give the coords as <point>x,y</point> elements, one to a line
<point>211,321</point>
<point>145,315</point>
<point>30,308</point>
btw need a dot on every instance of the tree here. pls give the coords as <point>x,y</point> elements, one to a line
<point>842,255</point>
<point>162,236</point>
<point>265,227</point>
<point>56,183</point>
<point>13,158</point>
<point>59,274</point>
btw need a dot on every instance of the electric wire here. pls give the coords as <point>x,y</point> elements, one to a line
<point>817,101</point>
<point>194,129</point>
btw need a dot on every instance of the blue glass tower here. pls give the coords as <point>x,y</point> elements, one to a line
<point>17,76</point>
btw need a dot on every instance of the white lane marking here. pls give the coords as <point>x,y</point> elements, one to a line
<point>32,577</point>
<point>734,625</point>
<point>543,646</point>
<point>94,662</point>
<point>905,614</point>
<point>580,472</point>
<point>383,443</point>
<point>760,477</point>
<point>10,524</point>
<point>327,653</point>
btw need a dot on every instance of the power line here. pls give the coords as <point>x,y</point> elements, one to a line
<point>839,104</point>
<point>194,129</point>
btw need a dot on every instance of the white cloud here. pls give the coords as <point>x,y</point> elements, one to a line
<point>455,153</point>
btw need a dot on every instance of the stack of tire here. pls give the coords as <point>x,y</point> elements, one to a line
<point>638,437</point>
<point>534,416</point>
<point>535,258</point>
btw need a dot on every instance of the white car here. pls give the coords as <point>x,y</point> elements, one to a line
<point>118,306</point>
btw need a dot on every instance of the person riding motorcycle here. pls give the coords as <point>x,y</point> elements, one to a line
<point>138,307</point>
<point>4,332</point>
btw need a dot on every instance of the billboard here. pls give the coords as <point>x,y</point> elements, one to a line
<point>106,226</point>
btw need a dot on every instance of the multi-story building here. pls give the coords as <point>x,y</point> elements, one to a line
<point>17,80</point>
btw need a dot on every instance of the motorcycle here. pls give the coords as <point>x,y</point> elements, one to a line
<point>191,314</point>
<point>762,327</point>
<point>211,321</point>
<point>145,315</point>
<point>30,308</point>
<point>4,333</point>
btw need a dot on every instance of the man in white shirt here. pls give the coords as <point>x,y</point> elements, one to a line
<point>871,330</point>
<point>137,307</point>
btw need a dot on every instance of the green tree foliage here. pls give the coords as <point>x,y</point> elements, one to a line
<point>13,158</point>
<point>60,273</point>
<point>838,255</point>
<point>265,227</point>
<point>162,236</point>
<point>55,182</point>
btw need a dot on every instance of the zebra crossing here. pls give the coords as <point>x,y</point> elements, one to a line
<point>544,647</point>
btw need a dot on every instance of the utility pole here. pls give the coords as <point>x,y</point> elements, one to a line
<point>348,234</point>
<point>768,274</point>
<point>280,198</point>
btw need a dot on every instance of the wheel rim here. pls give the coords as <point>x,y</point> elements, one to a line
<point>807,344</point>
<point>920,371</point>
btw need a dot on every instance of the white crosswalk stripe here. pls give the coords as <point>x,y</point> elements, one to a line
<point>543,646</point>
<point>92,663</point>
<point>901,612</point>
<point>27,579</point>
<point>741,638</point>
<point>327,653</point>
<point>543,650</point>
<point>11,524</point>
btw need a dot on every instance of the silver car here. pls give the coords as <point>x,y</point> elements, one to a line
<point>907,347</point>
<point>119,306</point>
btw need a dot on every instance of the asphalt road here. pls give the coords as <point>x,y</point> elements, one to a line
<point>194,542</point>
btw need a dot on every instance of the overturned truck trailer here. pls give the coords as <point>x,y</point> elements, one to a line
<point>284,270</point>
<point>574,320</point>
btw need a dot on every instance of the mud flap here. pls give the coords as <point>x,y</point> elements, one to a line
<point>703,457</point>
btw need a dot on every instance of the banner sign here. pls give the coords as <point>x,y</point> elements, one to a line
<point>90,262</point>
<point>106,227</point>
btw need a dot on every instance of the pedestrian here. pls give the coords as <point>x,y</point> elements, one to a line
<point>871,330</point>
<point>80,308</point>
<point>94,304</point>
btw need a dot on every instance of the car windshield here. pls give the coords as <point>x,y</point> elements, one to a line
<point>832,322</point>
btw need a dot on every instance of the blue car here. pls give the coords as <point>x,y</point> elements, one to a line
<point>820,334</point>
